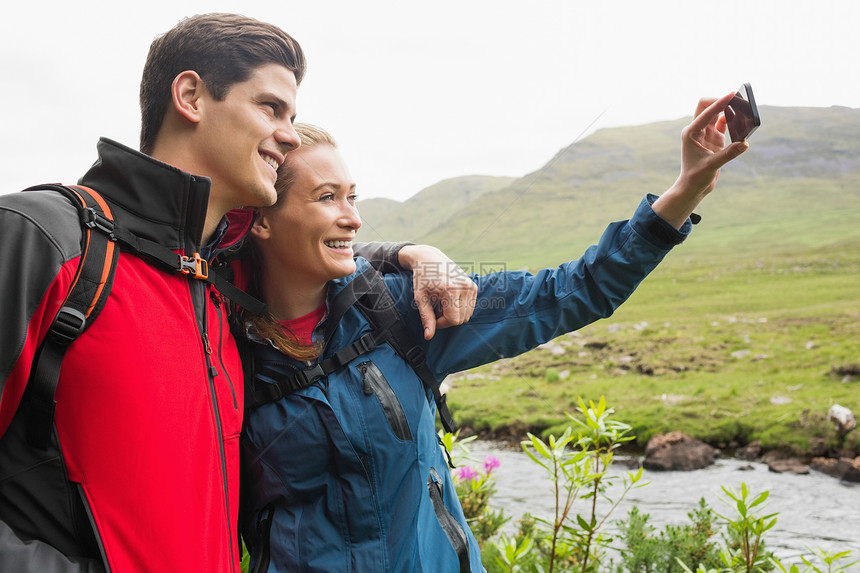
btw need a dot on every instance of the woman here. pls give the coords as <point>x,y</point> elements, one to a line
<point>346,474</point>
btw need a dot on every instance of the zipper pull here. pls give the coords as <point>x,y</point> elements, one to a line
<point>368,387</point>
<point>206,346</point>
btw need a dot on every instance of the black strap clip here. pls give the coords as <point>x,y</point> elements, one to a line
<point>416,356</point>
<point>68,325</point>
<point>361,346</point>
<point>92,219</point>
<point>306,377</point>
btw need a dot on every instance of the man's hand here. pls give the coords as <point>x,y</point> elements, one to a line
<point>444,294</point>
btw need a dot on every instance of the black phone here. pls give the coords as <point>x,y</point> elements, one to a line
<point>742,116</point>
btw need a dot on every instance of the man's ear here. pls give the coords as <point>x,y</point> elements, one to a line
<point>186,92</point>
<point>261,228</point>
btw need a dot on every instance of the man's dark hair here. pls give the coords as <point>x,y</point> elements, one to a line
<point>224,49</point>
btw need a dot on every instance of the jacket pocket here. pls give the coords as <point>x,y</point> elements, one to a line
<point>375,383</point>
<point>450,525</point>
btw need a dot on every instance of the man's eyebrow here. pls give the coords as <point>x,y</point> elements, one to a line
<point>271,96</point>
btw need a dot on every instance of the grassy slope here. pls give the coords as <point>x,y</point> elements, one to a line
<point>388,220</point>
<point>770,275</point>
<point>702,347</point>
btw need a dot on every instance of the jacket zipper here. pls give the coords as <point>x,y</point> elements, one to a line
<point>216,299</point>
<point>450,525</point>
<point>375,383</point>
<point>211,372</point>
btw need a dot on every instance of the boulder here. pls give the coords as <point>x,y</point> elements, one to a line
<point>844,468</point>
<point>676,451</point>
<point>788,466</point>
<point>749,452</point>
<point>842,418</point>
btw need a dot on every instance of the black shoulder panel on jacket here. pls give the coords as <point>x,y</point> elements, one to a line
<point>40,232</point>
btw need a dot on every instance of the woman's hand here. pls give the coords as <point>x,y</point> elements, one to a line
<point>703,153</point>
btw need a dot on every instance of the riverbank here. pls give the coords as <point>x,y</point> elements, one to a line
<point>728,381</point>
<point>813,510</point>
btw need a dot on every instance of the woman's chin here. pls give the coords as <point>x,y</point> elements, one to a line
<point>345,270</point>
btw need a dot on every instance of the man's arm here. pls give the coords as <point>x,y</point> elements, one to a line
<point>383,256</point>
<point>444,294</point>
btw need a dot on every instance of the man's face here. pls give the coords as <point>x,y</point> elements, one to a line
<point>245,137</point>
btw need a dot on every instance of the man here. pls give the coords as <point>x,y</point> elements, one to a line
<point>141,472</point>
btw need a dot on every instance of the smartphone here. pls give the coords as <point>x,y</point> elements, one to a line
<point>742,116</point>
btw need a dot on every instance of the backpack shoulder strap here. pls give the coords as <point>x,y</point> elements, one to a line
<point>378,306</point>
<point>85,299</point>
<point>370,295</point>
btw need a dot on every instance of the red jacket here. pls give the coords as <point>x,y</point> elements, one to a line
<point>149,401</point>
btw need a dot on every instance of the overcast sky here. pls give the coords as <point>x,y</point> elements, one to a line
<point>419,92</point>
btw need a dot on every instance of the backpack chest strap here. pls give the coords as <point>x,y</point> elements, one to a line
<point>265,393</point>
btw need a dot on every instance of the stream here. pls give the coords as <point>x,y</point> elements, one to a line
<point>815,510</point>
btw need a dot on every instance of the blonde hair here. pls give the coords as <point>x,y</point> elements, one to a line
<point>266,325</point>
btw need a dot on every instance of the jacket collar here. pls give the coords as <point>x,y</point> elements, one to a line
<point>150,198</point>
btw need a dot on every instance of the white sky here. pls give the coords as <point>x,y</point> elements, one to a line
<point>419,92</point>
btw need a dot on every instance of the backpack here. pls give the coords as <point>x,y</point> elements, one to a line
<point>100,246</point>
<point>367,291</point>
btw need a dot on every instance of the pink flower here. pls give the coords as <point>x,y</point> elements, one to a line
<point>466,473</point>
<point>491,463</point>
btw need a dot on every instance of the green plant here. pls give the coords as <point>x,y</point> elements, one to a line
<point>244,564</point>
<point>474,485</point>
<point>674,546</point>
<point>745,549</point>
<point>830,562</point>
<point>576,473</point>
<point>577,464</point>
<point>512,552</point>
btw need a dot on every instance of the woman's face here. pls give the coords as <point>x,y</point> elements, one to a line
<point>310,232</point>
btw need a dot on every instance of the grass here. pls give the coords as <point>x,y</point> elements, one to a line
<point>726,349</point>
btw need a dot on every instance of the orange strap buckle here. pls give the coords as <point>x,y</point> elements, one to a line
<point>195,266</point>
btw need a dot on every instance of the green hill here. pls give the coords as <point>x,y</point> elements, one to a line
<point>388,220</point>
<point>748,331</point>
<point>796,186</point>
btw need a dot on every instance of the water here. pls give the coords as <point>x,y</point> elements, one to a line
<point>815,510</point>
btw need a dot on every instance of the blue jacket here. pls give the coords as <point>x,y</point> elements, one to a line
<point>350,464</point>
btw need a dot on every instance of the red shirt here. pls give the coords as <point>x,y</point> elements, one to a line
<point>302,328</point>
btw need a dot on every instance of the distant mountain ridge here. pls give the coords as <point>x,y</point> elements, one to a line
<point>802,171</point>
<point>387,220</point>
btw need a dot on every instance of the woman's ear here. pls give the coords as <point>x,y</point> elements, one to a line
<point>186,92</point>
<point>261,228</point>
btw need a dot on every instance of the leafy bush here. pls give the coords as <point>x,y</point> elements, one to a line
<point>577,463</point>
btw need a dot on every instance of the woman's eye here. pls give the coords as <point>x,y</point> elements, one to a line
<point>327,197</point>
